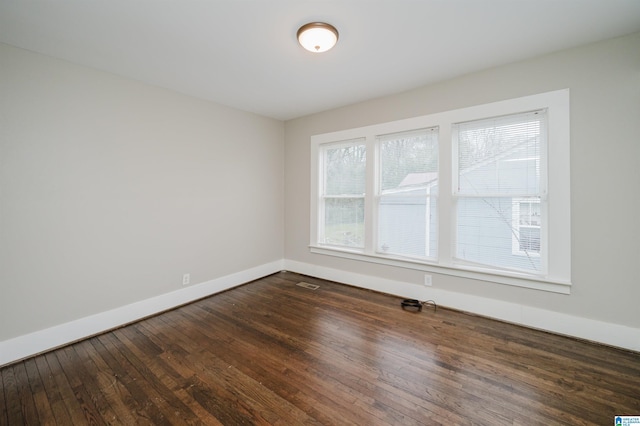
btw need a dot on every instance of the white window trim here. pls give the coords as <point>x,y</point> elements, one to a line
<point>558,234</point>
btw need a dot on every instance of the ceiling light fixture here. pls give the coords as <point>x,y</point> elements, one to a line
<point>317,37</point>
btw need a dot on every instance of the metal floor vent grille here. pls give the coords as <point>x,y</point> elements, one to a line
<point>307,285</point>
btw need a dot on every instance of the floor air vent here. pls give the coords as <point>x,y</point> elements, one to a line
<point>309,286</point>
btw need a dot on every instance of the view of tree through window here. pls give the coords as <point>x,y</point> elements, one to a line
<point>344,188</point>
<point>407,154</point>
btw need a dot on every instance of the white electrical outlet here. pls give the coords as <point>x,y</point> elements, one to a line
<point>427,280</point>
<point>186,279</point>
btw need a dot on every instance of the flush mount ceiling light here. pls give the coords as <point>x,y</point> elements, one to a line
<point>317,37</point>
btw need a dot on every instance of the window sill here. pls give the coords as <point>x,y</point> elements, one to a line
<point>462,271</point>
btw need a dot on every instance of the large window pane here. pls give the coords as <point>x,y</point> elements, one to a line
<point>500,156</point>
<point>408,160</point>
<point>345,170</point>
<point>407,209</point>
<point>408,226</point>
<point>344,222</point>
<point>485,234</point>
<point>499,191</point>
<point>343,194</point>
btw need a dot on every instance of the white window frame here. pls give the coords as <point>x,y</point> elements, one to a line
<point>322,189</point>
<point>380,194</point>
<point>557,276</point>
<point>541,165</point>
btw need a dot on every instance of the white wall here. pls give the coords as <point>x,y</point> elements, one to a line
<point>111,190</point>
<point>604,81</point>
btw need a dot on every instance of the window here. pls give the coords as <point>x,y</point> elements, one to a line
<point>526,222</point>
<point>342,200</point>
<point>481,192</point>
<point>500,177</point>
<point>406,198</point>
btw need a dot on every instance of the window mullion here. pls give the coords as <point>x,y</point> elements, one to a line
<point>446,201</point>
<point>370,197</point>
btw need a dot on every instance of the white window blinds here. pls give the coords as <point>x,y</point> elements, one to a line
<point>500,190</point>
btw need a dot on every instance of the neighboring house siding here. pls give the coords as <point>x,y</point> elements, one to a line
<point>483,240</point>
<point>410,216</point>
<point>486,226</point>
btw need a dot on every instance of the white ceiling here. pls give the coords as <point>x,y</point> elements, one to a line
<point>244,54</point>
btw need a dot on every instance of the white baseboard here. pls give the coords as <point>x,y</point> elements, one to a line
<point>44,340</point>
<point>584,328</point>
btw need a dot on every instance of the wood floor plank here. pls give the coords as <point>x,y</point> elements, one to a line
<point>138,395</point>
<point>88,396</point>
<point>274,353</point>
<point>27,404</point>
<point>144,356</point>
<point>4,409</point>
<point>175,356</point>
<point>102,384</point>
<point>12,397</point>
<point>129,408</point>
<point>41,400</point>
<point>58,408</point>
<point>73,405</point>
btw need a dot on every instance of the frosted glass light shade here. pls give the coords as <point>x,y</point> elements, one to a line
<point>317,37</point>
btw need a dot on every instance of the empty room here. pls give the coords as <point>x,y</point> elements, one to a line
<point>320,212</point>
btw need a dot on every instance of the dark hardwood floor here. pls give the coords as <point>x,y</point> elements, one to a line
<point>271,352</point>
